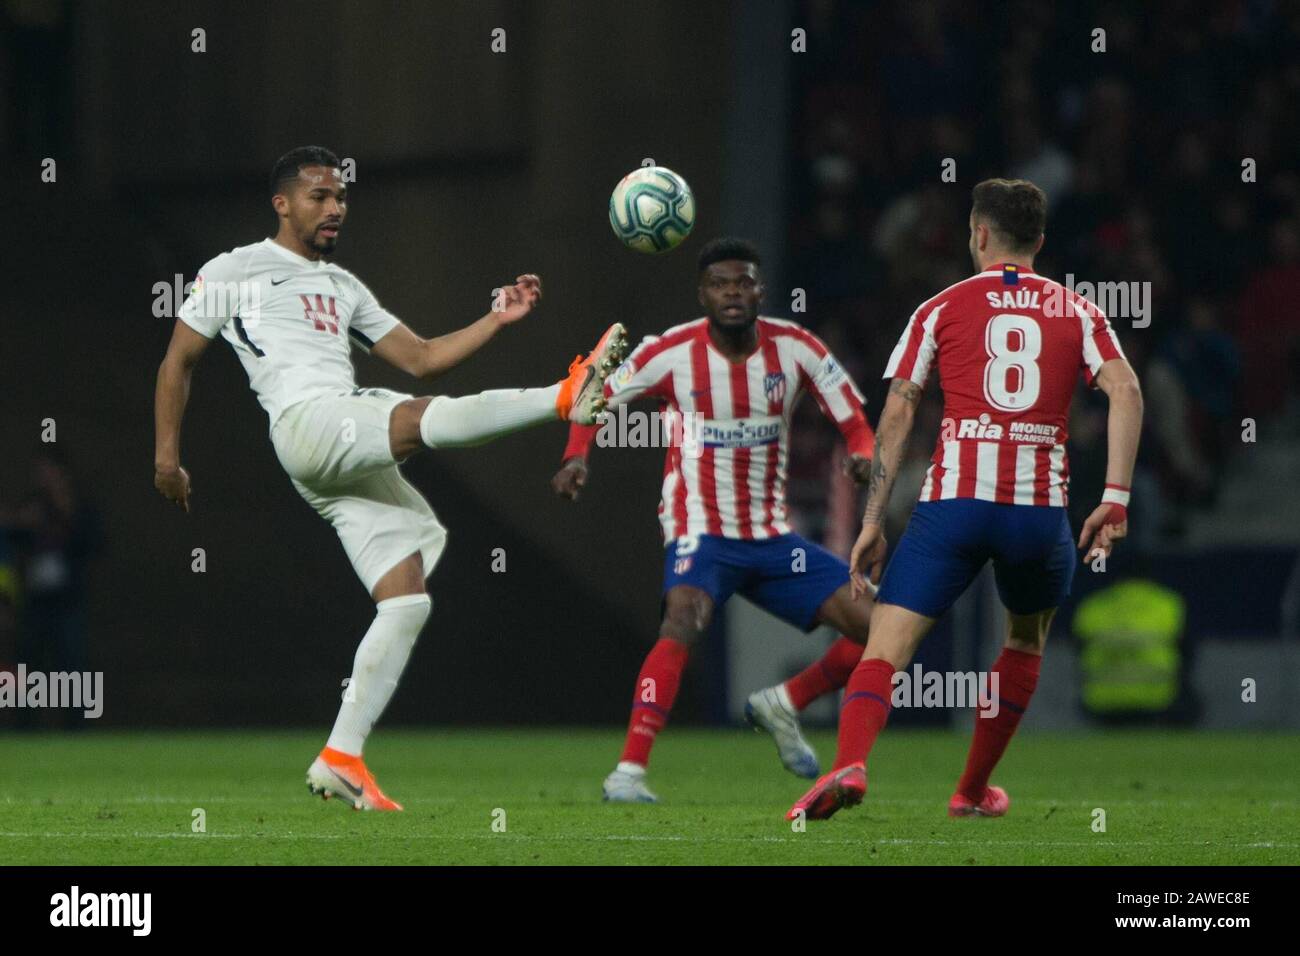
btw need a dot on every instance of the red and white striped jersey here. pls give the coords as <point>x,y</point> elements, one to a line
<point>725,469</point>
<point>1009,345</point>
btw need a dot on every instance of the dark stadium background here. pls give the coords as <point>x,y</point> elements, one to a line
<point>474,166</point>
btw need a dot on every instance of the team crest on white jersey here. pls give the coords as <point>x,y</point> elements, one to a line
<point>320,314</point>
<point>774,387</point>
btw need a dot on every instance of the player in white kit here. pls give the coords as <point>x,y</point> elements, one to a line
<point>292,318</point>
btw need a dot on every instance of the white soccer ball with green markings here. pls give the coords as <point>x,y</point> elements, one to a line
<point>652,209</point>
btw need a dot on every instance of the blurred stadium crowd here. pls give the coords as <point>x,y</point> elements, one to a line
<point>50,534</point>
<point>1140,149</point>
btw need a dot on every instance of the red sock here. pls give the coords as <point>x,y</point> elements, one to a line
<point>830,673</point>
<point>1017,677</point>
<point>866,708</point>
<point>656,688</point>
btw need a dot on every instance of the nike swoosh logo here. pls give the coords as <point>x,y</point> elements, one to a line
<point>355,791</point>
<point>278,281</point>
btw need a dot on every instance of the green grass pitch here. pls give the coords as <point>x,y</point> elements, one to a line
<point>1175,798</point>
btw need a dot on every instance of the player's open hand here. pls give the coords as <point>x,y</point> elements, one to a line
<point>571,477</point>
<point>510,303</point>
<point>174,484</point>
<point>1107,524</point>
<point>858,467</point>
<point>867,560</point>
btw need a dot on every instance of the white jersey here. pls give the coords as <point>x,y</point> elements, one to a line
<point>290,320</point>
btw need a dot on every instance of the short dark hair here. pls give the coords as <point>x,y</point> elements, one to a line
<point>287,166</point>
<point>1015,209</point>
<point>729,247</point>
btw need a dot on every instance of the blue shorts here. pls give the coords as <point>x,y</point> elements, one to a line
<point>947,543</point>
<point>788,575</point>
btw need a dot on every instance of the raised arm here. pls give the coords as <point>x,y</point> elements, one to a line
<point>891,441</point>
<point>171,394</point>
<point>1108,522</point>
<point>428,358</point>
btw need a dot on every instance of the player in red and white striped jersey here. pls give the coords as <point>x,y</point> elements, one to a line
<point>1009,346</point>
<point>739,415</point>
<point>729,383</point>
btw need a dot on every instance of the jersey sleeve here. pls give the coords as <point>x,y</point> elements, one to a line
<point>213,298</point>
<point>836,394</point>
<point>913,356</point>
<point>370,321</point>
<point>646,373</point>
<point>580,439</point>
<point>1100,344</point>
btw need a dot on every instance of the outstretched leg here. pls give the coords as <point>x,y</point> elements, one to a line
<point>445,422</point>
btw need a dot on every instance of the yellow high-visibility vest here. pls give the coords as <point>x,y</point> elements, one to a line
<point>1130,633</point>
<point>9,583</point>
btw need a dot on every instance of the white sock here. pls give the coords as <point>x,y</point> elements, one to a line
<point>475,419</point>
<point>627,766</point>
<point>379,662</point>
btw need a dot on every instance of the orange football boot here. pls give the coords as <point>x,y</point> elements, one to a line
<point>582,393</point>
<point>336,774</point>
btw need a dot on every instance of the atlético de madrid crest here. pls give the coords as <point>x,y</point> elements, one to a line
<point>774,386</point>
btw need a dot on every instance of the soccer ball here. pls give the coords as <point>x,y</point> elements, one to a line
<point>652,209</point>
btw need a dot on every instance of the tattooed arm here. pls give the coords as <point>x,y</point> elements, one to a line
<point>891,441</point>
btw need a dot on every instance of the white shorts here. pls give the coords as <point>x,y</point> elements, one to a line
<point>335,448</point>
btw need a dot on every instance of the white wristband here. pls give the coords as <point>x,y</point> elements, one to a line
<point>1115,496</point>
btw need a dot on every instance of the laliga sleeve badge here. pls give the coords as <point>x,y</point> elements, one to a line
<point>622,376</point>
